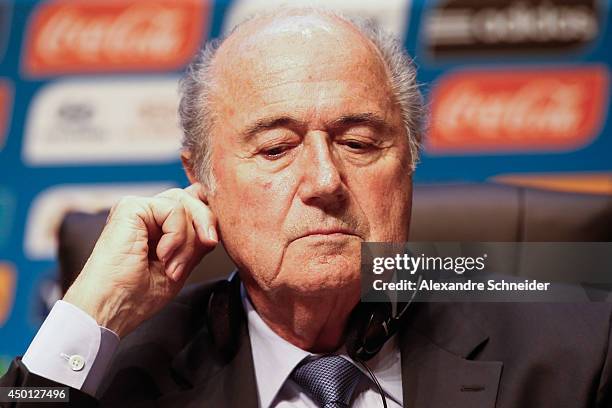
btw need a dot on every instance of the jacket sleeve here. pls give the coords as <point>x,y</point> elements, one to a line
<point>19,376</point>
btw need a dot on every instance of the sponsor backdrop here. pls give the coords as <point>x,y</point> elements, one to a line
<point>518,90</point>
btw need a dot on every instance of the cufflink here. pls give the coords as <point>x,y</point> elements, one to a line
<point>75,361</point>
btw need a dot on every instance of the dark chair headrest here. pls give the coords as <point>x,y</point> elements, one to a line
<point>493,212</point>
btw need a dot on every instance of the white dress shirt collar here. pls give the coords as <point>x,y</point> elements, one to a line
<point>274,358</point>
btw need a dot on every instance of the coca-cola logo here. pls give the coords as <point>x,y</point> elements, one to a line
<point>5,109</point>
<point>518,110</point>
<point>466,27</point>
<point>68,37</point>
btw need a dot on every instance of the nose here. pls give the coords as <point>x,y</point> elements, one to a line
<point>321,182</point>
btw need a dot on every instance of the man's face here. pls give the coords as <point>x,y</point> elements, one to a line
<point>309,155</point>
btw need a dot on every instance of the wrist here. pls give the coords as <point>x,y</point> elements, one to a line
<point>105,309</point>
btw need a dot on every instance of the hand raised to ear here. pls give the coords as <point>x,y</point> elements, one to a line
<point>145,253</point>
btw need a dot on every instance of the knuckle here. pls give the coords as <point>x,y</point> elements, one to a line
<point>127,201</point>
<point>172,193</point>
<point>178,237</point>
<point>125,205</point>
<point>174,190</point>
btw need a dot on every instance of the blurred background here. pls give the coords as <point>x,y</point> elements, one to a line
<point>518,92</point>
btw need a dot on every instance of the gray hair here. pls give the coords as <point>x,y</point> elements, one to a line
<point>197,117</point>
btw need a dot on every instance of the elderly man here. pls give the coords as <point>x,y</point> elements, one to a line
<point>301,135</point>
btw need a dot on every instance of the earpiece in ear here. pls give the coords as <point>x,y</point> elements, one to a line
<point>368,329</point>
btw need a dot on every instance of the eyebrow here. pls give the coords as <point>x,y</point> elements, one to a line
<point>370,119</point>
<point>270,123</point>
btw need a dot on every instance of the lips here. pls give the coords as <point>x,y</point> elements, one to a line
<point>327,231</point>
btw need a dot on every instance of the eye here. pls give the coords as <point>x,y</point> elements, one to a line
<point>275,152</point>
<point>357,145</point>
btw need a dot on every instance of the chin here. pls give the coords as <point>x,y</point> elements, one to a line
<point>324,275</point>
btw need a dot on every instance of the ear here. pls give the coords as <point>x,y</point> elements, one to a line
<point>191,175</point>
<point>188,166</point>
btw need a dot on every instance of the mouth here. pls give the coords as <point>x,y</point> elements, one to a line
<point>328,233</point>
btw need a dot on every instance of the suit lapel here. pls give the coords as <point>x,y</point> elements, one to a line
<point>210,380</point>
<point>436,345</point>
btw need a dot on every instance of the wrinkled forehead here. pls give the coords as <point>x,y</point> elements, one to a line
<point>303,48</point>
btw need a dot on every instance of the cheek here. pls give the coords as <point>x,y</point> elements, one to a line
<point>240,193</point>
<point>387,204</point>
<point>243,205</point>
<point>250,210</point>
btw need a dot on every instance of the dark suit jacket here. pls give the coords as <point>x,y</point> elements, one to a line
<point>453,355</point>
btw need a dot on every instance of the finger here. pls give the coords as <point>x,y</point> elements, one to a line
<point>188,247</point>
<point>162,223</point>
<point>168,219</point>
<point>174,227</point>
<point>188,264</point>
<point>196,190</point>
<point>187,255</point>
<point>204,219</point>
<point>182,258</point>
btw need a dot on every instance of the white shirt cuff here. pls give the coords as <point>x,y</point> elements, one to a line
<point>71,349</point>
